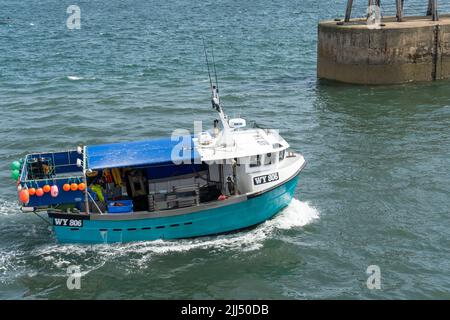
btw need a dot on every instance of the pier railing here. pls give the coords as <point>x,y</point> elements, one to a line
<point>398,8</point>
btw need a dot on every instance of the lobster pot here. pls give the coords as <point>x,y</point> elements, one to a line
<point>39,168</point>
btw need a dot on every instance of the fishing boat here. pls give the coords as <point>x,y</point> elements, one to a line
<point>228,178</point>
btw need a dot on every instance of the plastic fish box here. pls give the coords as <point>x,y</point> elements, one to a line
<point>120,206</point>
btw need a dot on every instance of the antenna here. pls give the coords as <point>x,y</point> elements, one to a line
<point>214,65</point>
<point>207,64</point>
<point>215,100</point>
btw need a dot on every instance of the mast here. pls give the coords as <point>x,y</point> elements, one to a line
<point>215,99</point>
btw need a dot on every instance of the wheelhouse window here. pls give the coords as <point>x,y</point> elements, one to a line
<point>281,155</point>
<point>255,161</point>
<point>268,159</point>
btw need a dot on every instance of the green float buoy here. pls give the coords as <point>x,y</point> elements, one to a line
<point>15,165</point>
<point>15,174</point>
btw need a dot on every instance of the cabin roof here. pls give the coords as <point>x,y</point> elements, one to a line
<point>183,149</point>
<point>140,153</point>
<point>243,143</point>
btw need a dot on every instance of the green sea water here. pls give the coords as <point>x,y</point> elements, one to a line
<point>376,189</point>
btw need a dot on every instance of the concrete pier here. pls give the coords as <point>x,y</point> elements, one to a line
<point>416,49</point>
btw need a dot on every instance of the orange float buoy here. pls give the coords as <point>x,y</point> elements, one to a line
<point>66,187</point>
<point>81,186</point>
<point>24,196</point>
<point>32,191</point>
<point>39,192</point>
<point>46,188</point>
<point>74,187</point>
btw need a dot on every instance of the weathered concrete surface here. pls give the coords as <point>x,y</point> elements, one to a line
<point>417,49</point>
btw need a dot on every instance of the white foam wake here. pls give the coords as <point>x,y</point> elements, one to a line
<point>139,255</point>
<point>8,207</point>
<point>296,215</point>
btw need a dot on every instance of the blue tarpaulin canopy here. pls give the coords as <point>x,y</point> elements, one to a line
<point>139,153</point>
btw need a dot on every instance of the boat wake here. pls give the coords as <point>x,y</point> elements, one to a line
<point>8,207</point>
<point>23,259</point>
<point>296,215</point>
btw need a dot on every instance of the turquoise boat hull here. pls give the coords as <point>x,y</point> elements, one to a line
<point>256,209</point>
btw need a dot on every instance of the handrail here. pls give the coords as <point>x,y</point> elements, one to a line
<point>90,196</point>
<point>408,8</point>
<point>52,179</point>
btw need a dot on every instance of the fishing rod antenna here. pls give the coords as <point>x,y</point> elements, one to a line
<point>207,64</point>
<point>214,66</point>
<point>215,100</point>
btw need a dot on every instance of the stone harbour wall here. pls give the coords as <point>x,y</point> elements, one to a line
<point>417,49</point>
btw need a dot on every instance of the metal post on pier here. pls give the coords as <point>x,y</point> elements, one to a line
<point>434,10</point>
<point>348,12</point>
<point>399,4</point>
